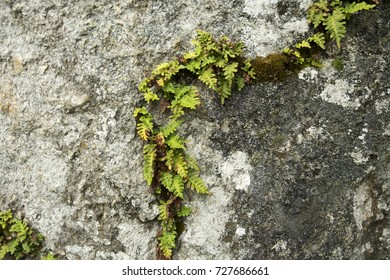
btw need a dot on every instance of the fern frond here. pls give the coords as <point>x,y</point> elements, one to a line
<point>166,180</point>
<point>191,162</point>
<point>240,83</point>
<point>319,39</point>
<point>190,99</point>
<point>248,68</point>
<point>230,70</point>
<point>163,210</point>
<point>353,8</point>
<point>176,109</point>
<point>171,127</point>
<point>197,184</point>
<point>150,96</point>
<point>335,25</point>
<point>224,90</point>
<point>176,142</point>
<point>180,165</point>
<point>149,159</point>
<point>177,187</point>
<point>167,243</point>
<point>208,77</point>
<point>184,211</point>
<point>303,44</point>
<point>169,159</point>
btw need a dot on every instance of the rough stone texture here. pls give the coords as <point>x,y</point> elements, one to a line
<point>299,169</point>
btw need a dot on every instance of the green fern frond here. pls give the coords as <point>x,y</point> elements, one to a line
<point>166,180</point>
<point>169,159</point>
<point>208,77</point>
<point>163,210</point>
<point>177,187</point>
<point>248,68</point>
<point>176,142</point>
<point>240,83</point>
<point>197,184</point>
<point>319,39</point>
<point>225,90</point>
<point>149,159</point>
<point>150,96</point>
<point>180,165</point>
<point>303,44</point>
<point>184,211</point>
<point>353,8</point>
<point>230,70</point>
<point>335,25</point>
<point>191,162</point>
<point>171,127</point>
<point>167,243</point>
<point>190,99</point>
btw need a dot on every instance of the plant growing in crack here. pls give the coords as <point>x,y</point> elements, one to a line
<point>219,63</point>
<point>168,167</point>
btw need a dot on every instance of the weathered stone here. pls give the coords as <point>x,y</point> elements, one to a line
<point>298,168</point>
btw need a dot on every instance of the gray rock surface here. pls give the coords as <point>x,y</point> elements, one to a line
<point>299,169</point>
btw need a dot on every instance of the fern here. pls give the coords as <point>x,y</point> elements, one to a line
<point>149,159</point>
<point>335,24</point>
<point>208,77</point>
<point>177,187</point>
<point>353,8</point>
<point>197,184</point>
<point>176,142</point>
<point>167,243</point>
<point>145,123</point>
<point>167,166</point>
<point>230,70</point>
<point>171,127</point>
<point>184,211</point>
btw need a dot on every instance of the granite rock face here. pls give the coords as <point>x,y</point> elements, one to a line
<point>299,169</point>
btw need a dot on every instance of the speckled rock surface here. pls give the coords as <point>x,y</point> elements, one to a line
<point>299,169</point>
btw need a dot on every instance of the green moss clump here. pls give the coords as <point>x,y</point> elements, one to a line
<point>274,67</point>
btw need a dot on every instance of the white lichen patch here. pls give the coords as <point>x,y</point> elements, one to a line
<point>358,157</point>
<point>263,36</point>
<point>236,170</point>
<point>240,232</point>
<point>308,74</point>
<point>337,93</point>
<point>362,205</point>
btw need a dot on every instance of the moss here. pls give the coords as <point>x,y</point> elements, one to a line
<point>274,67</point>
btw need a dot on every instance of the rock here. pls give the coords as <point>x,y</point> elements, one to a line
<point>298,169</point>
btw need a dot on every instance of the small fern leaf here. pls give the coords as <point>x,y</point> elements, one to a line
<point>191,99</point>
<point>167,243</point>
<point>171,127</point>
<point>192,163</point>
<point>240,83</point>
<point>150,96</point>
<point>169,159</point>
<point>163,210</point>
<point>177,187</point>
<point>180,165</point>
<point>184,211</point>
<point>319,39</point>
<point>166,180</point>
<point>197,184</point>
<point>208,77</point>
<point>175,142</point>
<point>225,90</point>
<point>335,25</point>
<point>149,159</point>
<point>145,127</point>
<point>353,8</point>
<point>230,70</point>
<point>303,44</point>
